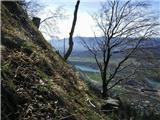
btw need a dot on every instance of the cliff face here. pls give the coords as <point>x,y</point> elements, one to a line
<point>36,83</point>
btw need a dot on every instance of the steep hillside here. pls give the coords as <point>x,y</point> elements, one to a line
<point>36,83</point>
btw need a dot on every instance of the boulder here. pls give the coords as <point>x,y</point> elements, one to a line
<point>112,105</point>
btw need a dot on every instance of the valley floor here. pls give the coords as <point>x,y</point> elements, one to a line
<point>142,96</point>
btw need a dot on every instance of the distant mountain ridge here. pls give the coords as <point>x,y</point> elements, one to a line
<point>78,43</point>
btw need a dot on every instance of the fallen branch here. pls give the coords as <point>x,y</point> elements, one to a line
<point>16,71</point>
<point>91,103</point>
<point>107,110</point>
<point>63,118</point>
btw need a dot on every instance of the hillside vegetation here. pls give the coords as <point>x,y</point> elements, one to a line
<point>36,83</point>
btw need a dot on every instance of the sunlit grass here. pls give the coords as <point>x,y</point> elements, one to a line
<point>94,76</point>
<point>82,59</point>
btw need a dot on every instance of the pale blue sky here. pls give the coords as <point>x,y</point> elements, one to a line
<point>85,23</point>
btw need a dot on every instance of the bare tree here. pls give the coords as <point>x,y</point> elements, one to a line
<point>49,25</point>
<point>32,7</point>
<point>123,25</point>
<point>72,31</point>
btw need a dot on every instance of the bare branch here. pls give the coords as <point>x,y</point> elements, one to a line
<point>120,80</point>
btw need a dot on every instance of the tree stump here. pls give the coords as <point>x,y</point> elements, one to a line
<point>36,21</point>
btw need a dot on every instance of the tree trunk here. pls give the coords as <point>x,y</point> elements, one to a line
<point>104,90</point>
<point>104,86</point>
<point>72,31</point>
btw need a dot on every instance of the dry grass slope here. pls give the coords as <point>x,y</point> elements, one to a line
<point>36,83</point>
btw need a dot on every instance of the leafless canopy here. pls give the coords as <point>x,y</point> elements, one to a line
<point>49,25</point>
<point>122,24</point>
<point>32,7</point>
